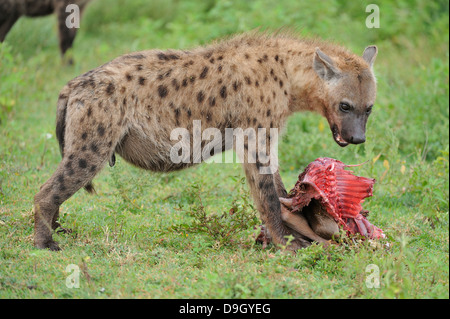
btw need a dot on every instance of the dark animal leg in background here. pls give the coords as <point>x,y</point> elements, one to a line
<point>6,23</point>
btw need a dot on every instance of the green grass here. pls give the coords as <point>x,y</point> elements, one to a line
<point>149,235</point>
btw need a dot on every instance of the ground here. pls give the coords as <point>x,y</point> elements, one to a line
<point>190,234</point>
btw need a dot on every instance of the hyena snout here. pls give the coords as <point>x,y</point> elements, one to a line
<point>357,138</point>
<point>351,132</point>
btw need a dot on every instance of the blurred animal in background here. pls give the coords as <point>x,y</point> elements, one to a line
<point>12,10</point>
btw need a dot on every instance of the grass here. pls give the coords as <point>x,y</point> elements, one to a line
<point>149,235</point>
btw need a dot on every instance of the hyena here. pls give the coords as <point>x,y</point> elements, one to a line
<point>12,10</point>
<point>130,105</point>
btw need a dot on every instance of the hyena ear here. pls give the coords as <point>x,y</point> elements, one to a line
<point>325,66</point>
<point>369,55</point>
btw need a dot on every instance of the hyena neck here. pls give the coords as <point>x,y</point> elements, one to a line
<point>306,88</point>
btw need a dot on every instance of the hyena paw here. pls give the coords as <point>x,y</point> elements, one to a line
<point>297,244</point>
<point>49,244</point>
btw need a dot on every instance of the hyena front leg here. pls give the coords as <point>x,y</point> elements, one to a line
<point>266,199</point>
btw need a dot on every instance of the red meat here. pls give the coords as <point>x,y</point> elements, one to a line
<point>339,191</point>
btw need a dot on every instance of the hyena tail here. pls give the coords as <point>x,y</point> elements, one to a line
<point>61,126</point>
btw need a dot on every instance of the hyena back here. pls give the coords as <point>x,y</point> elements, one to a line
<point>130,105</point>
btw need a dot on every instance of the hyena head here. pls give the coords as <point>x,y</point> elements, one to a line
<point>350,90</point>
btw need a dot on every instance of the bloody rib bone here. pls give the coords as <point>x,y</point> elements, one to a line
<point>339,191</point>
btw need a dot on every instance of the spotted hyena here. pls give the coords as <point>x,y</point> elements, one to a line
<point>131,105</point>
<point>12,10</point>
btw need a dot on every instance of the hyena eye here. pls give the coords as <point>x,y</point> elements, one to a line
<point>369,110</point>
<point>344,107</point>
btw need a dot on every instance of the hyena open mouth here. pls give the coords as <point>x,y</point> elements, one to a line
<point>337,137</point>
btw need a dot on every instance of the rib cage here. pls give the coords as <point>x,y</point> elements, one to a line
<point>339,191</point>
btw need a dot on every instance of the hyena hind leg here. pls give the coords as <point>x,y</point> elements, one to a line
<point>71,175</point>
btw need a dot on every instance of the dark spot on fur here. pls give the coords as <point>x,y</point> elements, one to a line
<point>139,67</point>
<point>246,56</point>
<point>256,83</point>
<point>189,113</point>
<point>162,91</point>
<point>61,178</point>
<point>141,80</point>
<point>208,55</point>
<point>192,79</point>
<point>83,136</point>
<point>247,79</point>
<point>93,168</point>
<point>263,185</point>
<point>94,148</point>
<point>219,68</point>
<point>175,84</point>
<point>184,83</point>
<point>204,72</point>
<point>220,57</point>
<point>162,56</point>
<point>101,130</point>
<point>268,112</point>
<point>276,58</point>
<point>281,84</point>
<point>211,60</point>
<point>167,57</point>
<point>89,112</point>
<point>82,163</point>
<point>129,77</point>
<point>200,96</point>
<point>83,149</point>
<point>110,89</point>
<point>62,187</point>
<point>223,92</point>
<point>56,200</point>
<point>173,57</point>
